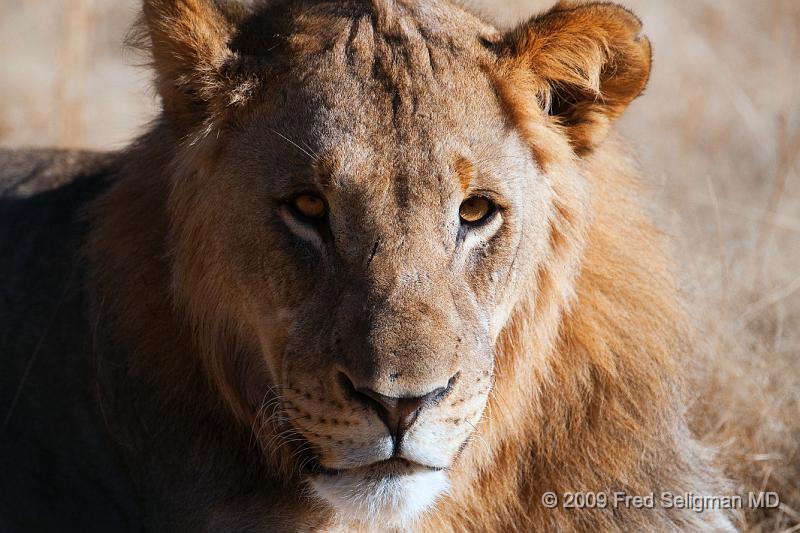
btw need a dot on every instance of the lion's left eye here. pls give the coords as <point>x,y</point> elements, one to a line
<point>475,209</point>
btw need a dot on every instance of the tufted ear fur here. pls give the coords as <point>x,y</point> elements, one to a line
<point>587,61</point>
<point>197,73</point>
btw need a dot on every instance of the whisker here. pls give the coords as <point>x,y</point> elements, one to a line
<point>475,433</point>
<point>287,139</point>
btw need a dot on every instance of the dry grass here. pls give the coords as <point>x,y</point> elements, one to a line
<point>718,135</point>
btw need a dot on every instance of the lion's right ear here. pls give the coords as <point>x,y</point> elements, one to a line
<point>196,70</point>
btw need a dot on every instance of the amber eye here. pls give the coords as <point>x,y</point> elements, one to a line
<point>475,209</point>
<point>310,206</point>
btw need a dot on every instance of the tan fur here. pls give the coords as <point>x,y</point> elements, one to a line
<point>564,323</point>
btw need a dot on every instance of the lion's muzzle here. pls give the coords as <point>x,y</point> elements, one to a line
<point>397,413</point>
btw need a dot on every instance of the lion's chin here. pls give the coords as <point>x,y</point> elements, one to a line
<point>381,499</point>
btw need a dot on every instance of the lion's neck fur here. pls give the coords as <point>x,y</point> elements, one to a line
<point>588,388</point>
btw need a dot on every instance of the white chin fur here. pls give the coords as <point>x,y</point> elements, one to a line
<point>383,503</point>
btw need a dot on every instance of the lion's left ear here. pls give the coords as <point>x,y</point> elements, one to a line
<point>587,62</point>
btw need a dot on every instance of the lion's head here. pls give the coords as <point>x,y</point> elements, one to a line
<point>362,194</point>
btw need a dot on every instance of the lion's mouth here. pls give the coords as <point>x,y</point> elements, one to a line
<point>391,467</point>
<point>394,466</point>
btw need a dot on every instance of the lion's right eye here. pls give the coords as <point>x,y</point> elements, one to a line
<point>310,206</point>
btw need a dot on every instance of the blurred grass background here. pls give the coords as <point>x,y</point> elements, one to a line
<point>717,135</point>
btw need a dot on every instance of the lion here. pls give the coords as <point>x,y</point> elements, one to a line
<point>377,266</point>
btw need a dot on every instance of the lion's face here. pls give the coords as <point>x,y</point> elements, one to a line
<point>368,220</point>
<point>379,240</point>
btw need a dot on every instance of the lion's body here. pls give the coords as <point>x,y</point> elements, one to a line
<point>181,350</point>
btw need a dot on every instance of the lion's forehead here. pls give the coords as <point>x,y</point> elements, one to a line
<point>364,134</point>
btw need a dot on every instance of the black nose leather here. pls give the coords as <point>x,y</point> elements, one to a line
<point>398,413</point>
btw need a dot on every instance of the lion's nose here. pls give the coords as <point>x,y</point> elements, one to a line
<point>398,413</point>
